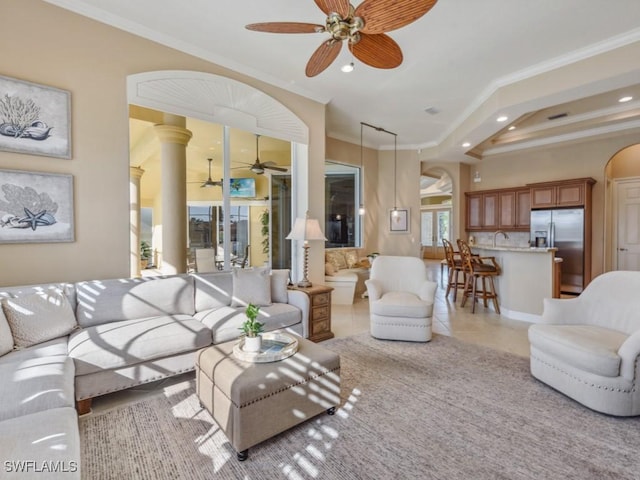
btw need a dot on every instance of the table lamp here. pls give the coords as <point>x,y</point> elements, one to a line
<point>306,229</point>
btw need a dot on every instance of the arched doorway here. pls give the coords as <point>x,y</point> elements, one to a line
<point>622,225</point>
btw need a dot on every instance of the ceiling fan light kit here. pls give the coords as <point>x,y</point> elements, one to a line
<point>363,27</point>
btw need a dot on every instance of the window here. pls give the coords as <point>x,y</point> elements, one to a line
<point>206,228</point>
<point>342,193</point>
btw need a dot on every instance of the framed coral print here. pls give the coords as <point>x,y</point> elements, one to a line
<point>35,207</point>
<point>34,119</point>
<point>399,220</point>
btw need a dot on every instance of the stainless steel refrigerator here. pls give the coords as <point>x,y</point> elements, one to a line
<point>564,230</point>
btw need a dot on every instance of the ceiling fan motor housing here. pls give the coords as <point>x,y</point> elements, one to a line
<point>345,28</point>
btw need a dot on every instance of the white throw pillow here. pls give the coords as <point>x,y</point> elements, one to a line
<point>39,317</point>
<point>6,339</point>
<point>251,286</point>
<point>279,283</point>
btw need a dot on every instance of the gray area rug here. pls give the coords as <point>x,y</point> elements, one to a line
<point>441,410</point>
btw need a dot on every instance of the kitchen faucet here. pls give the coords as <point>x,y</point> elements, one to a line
<point>504,234</point>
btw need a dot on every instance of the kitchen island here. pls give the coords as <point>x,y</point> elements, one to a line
<point>526,278</point>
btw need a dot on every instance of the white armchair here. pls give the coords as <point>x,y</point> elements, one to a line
<point>400,299</point>
<point>588,347</point>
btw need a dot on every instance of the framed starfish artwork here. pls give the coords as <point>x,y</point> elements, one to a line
<point>36,207</point>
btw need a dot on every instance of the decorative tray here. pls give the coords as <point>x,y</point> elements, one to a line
<point>275,346</point>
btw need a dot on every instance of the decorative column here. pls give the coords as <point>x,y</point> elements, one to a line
<point>135,174</point>
<point>174,138</point>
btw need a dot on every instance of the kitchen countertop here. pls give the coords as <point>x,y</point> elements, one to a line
<point>506,248</point>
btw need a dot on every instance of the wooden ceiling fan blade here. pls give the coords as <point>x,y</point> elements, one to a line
<point>385,15</point>
<point>338,6</point>
<point>323,57</point>
<point>379,51</point>
<point>285,27</point>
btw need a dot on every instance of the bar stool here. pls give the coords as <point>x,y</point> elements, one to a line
<point>476,268</point>
<point>454,266</point>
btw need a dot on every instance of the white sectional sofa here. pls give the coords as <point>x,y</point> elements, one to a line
<point>63,344</point>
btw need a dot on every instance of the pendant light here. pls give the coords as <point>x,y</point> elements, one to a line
<point>395,161</point>
<point>361,176</point>
<point>395,183</point>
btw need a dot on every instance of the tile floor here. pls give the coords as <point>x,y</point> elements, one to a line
<point>484,328</point>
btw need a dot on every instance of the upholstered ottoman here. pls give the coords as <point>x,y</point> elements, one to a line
<point>252,402</point>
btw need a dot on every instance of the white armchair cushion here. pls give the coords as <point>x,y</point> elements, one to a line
<point>589,348</point>
<point>401,304</point>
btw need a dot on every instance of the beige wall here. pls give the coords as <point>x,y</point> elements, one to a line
<point>54,47</point>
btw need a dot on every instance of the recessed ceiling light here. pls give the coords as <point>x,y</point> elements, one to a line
<point>348,67</point>
<point>466,144</point>
<point>625,99</point>
<point>502,118</point>
<point>512,127</point>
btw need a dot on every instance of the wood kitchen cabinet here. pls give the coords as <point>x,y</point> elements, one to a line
<point>564,193</point>
<point>482,210</point>
<point>506,209</point>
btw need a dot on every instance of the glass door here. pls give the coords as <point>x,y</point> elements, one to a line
<point>435,224</point>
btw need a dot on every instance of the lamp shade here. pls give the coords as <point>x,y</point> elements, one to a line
<point>306,229</point>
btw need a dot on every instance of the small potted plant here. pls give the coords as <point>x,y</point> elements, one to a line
<point>252,329</point>
<point>145,254</point>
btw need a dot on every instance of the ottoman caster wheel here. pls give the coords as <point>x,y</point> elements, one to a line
<point>331,411</point>
<point>243,455</point>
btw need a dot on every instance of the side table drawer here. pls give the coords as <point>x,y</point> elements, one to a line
<point>320,313</point>
<point>322,326</point>
<point>321,299</point>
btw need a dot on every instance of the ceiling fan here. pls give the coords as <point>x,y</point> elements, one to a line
<point>210,183</point>
<point>364,27</point>
<point>259,167</point>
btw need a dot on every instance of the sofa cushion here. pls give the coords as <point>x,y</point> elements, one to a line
<point>52,348</point>
<point>36,384</point>
<point>351,258</point>
<point>401,304</point>
<point>39,317</point>
<point>279,284</point>
<point>6,339</point>
<point>130,342</point>
<point>102,301</point>
<point>251,286</point>
<point>213,290</point>
<point>336,258</point>
<point>586,347</point>
<point>48,438</point>
<point>330,269</point>
<point>225,322</point>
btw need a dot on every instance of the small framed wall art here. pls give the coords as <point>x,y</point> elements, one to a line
<point>36,207</point>
<point>34,119</point>
<point>399,220</point>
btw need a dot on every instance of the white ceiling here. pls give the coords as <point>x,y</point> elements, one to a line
<point>455,56</point>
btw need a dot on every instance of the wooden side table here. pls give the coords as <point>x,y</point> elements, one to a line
<point>319,311</point>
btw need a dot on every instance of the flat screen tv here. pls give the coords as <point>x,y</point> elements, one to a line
<point>242,187</point>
